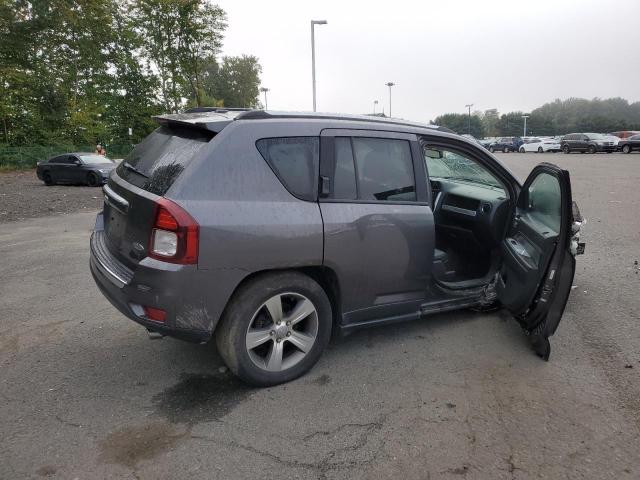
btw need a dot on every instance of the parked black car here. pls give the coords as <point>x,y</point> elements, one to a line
<point>586,142</point>
<point>630,144</point>
<point>76,168</point>
<point>506,144</point>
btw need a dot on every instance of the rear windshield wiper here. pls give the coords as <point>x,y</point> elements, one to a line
<point>128,166</point>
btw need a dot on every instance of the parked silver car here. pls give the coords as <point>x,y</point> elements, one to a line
<point>270,231</point>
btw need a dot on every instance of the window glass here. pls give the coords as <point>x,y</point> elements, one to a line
<point>156,162</point>
<point>544,201</point>
<point>344,179</point>
<point>450,165</point>
<point>96,159</point>
<point>635,137</point>
<point>385,169</point>
<point>295,161</point>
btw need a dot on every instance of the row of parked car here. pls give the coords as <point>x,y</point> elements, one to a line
<point>626,142</point>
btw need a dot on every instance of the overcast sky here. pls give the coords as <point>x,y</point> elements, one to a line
<point>504,54</point>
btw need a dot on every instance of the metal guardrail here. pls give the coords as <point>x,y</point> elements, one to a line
<point>29,156</point>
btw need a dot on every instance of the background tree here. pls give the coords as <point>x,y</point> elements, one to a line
<point>459,123</point>
<point>235,82</point>
<point>83,71</point>
<point>177,36</point>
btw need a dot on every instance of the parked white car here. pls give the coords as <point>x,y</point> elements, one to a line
<point>612,138</point>
<point>541,145</point>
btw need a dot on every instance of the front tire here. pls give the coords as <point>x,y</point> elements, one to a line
<point>566,149</point>
<point>48,179</point>
<point>275,328</point>
<point>491,149</point>
<point>540,150</point>
<point>521,150</point>
<point>505,150</point>
<point>591,149</point>
<point>92,180</point>
<point>626,149</point>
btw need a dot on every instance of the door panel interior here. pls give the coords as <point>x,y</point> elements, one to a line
<point>527,251</point>
<point>535,278</point>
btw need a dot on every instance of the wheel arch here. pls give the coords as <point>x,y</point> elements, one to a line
<point>325,276</point>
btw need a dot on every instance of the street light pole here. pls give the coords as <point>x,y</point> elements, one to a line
<point>313,57</point>
<point>389,84</point>
<point>469,105</point>
<point>375,102</point>
<point>265,90</point>
<point>525,125</point>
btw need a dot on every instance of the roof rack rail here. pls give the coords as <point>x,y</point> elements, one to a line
<point>216,109</point>
<point>262,115</point>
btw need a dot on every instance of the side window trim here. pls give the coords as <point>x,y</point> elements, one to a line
<point>355,169</point>
<point>328,164</point>
<point>509,182</point>
<point>312,196</point>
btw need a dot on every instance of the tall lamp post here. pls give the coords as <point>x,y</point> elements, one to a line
<point>525,125</point>
<point>389,84</point>
<point>375,102</point>
<point>265,90</point>
<point>469,105</point>
<point>313,57</point>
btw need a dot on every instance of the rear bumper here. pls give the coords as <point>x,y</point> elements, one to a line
<point>179,290</point>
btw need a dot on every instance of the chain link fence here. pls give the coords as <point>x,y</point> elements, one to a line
<point>28,157</point>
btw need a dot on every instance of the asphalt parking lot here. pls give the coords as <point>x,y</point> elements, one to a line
<point>85,394</point>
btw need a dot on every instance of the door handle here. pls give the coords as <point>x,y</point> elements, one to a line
<point>325,186</point>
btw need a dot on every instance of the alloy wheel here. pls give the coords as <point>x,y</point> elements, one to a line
<point>282,332</point>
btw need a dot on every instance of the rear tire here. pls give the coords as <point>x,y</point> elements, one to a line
<point>566,149</point>
<point>505,150</point>
<point>279,353</point>
<point>626,149</point>
<point>540,150</point>
<point>48,180</point>
<point>92,180</point>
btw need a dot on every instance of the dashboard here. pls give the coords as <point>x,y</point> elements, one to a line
<point>470,211</point>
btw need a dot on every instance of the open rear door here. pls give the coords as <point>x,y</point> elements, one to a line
<point>539,254</point>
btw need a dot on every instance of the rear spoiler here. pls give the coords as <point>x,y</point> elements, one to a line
<point>214,127</point>
<point>211,121</point>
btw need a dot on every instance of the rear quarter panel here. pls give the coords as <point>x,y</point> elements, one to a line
<point>248,220</point>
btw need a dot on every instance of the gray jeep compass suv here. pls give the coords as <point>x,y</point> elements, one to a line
<point>269,231</point>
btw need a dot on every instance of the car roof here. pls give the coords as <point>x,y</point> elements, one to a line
<point>73,153</point>
<point>215,119</point>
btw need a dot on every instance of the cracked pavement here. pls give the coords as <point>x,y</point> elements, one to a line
<point>85,394</point>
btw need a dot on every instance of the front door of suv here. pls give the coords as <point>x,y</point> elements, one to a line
<point>378,224</point>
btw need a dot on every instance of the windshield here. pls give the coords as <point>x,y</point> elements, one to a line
<point>454,166</point>
<point>94,159</point>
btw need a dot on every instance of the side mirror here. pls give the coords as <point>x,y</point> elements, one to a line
<point>77,162</point>
<point>432,153</point>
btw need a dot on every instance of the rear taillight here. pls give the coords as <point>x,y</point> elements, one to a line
<point>174,236</point>
<point>155,314</point>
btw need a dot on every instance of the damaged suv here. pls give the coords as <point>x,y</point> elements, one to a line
<point>269,231</point>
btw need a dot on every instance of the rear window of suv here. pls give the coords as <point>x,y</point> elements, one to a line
<point>295,162</point>
<point>156,162</point>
